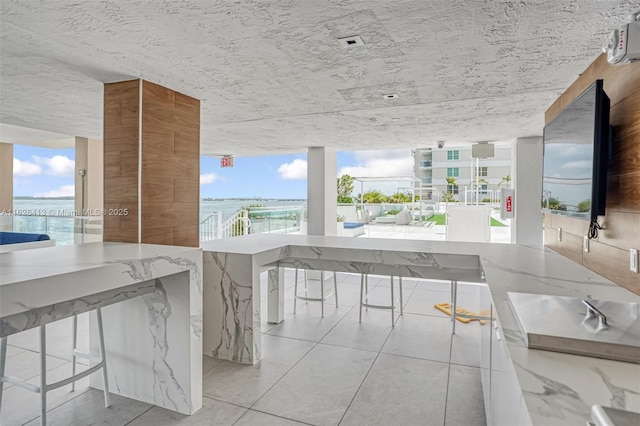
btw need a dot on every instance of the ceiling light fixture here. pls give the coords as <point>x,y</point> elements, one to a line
<point>351,41</point>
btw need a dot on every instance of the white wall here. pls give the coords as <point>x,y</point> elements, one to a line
<point>526,228</point>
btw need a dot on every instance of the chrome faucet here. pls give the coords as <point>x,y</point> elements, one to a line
<point>592,312</point>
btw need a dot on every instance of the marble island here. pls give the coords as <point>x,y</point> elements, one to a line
<point>151,300</point>
<point>521,386</point>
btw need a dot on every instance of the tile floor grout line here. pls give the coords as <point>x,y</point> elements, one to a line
<point>225,402</point>
<point>271,414</point>
<point>364,378</point>
<point>37,351</point>
<point>284,374</point>
<point>295,364</point>
<point>140,415</point>
<point>59,405</point>
<point>446,396</point>
<point>414,357</point>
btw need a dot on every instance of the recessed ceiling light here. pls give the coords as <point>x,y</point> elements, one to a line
<point>395,119</point>
<point>351,41</point>
<point>390,96</point>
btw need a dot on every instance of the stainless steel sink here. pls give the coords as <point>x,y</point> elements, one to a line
<point>607,416</point>
<point>610,330</point>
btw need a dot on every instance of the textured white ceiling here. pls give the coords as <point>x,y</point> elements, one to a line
<point>273,78</point>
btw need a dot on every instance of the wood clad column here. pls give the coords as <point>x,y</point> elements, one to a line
<point>6,185</point>
<point>151,164</point>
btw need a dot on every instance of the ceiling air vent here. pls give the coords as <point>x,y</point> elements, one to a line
<point>351,41</point>
<point>390,96</point>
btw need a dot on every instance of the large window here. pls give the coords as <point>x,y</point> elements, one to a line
<point>453,155</point>
<point>482,171</point>
<point>453,172</point>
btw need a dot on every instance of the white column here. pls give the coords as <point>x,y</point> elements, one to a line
<point>89,158</point>
<point>6,184</point>
<point>526,228</point>
<point>322,207</point>
<point>89,184</point>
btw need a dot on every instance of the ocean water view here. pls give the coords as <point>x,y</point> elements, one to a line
<point>55,216</point>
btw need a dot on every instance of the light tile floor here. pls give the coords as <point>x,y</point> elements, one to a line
<point>324,371</point>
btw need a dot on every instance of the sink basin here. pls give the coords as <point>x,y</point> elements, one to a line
<point>607,416</point>
<point>560,324</point>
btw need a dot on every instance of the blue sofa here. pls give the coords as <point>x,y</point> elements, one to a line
<point>19,237</point>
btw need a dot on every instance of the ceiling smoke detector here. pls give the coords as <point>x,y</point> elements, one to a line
<point>351,41</point>
<point>390,96</point>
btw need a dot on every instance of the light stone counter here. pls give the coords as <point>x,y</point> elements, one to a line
<point>152,336</point>
<point>555,388</point>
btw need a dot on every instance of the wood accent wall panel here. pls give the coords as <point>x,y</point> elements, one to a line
<point>609,254</point>
<point>121,122</point>
<point>170,167</point>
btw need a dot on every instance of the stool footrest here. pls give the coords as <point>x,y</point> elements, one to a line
<point>28,386</point>
<point>87,356</point>
<point>75,377</point>
<point>369,305</point>
<point>315,299</point>
<point>20,382</point>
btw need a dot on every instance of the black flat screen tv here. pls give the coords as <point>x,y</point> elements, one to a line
<point>576,156</point>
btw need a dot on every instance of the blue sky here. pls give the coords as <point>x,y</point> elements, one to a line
<point>46,172</point>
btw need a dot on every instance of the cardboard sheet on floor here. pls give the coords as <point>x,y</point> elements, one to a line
<point>463,315</point>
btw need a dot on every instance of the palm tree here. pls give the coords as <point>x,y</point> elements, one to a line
<point>507,180</point>
<point>451,183</point>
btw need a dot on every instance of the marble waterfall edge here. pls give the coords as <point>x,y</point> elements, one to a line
<point>233,330</point>
<point>166,369</point>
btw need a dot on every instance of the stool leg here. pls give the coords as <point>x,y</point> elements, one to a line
<point>73,351</point>
<point>43,375</point>
<point>295,291</point>
<point>3,357</point>
<point>401,303</point>
<point>104,358</point>
<point>454,302</point>
<point>306,288</point>
<point>361,291</point>
<point>393,302</point>
<point>366,290</point>
<point>335,287</point>
<point>322,293</point>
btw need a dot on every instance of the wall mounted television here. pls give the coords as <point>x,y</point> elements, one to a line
<point>576,156</point>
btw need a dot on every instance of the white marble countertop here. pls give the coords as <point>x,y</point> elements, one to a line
<point>558,388</point>
<point>151,301</point>
<point>27,277</point>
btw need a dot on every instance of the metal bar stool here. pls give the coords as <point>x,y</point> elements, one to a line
<point>44,387</point>
<point>306,297</point>
<point>364,294</point>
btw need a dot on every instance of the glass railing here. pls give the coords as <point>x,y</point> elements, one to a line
<point>65,230</point>
<point>282,220</point>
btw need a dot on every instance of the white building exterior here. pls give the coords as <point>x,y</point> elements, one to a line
<point>432,166</point>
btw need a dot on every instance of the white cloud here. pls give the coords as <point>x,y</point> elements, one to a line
<point>24,168</point>
<point>58,165</point>
<point>63,191</point>
<point>381,163</point>
<point>571,165</point>
<point>208,178</point>
<point>295,170</point>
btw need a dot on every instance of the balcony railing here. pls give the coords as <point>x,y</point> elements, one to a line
<point>255,220</point>
<point>65,230</point>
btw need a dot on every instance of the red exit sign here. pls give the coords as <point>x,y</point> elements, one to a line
<point>226,161</point>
